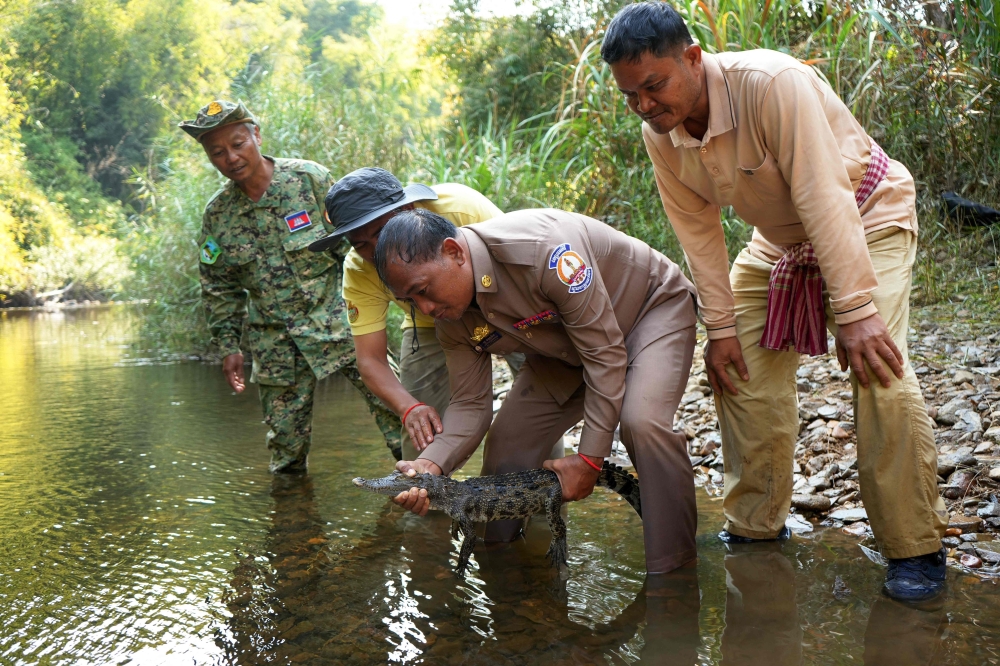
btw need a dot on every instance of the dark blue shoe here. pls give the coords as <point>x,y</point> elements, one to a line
<point>729,537</point>
<point>916,578</point>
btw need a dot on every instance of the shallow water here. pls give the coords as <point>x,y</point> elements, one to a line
<point>140,526</point>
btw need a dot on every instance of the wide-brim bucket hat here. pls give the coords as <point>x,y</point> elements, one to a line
<point>362,196</point>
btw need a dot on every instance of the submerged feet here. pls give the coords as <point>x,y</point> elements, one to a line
<point>728,537</point>
<point>916,578</point>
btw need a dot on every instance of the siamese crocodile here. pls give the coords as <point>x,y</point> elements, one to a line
<point>502,497</point>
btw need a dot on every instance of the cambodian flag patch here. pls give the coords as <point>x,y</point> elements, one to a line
<point>299,220</point>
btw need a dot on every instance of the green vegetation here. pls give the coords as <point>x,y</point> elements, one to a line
<point>102,195</point>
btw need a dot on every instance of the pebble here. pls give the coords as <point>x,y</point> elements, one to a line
<point>828,411</point>
<point>949,414</point>
<point>953,531</point>
<point>858,529</point>
<point>849,515</point>
<point>839,432</point>
<point>966,523</point>
<point>811,502</point>
<point>991,510</point>
<point>971,561</point>
<point>995,473</point>
<point>950,542</point>
<point>961,377</point>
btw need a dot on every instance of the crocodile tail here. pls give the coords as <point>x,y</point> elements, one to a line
<point>614,477</point>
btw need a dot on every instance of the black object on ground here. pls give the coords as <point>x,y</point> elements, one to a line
<point>967,212</point>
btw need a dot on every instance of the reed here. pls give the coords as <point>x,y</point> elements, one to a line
<point>925,85</point>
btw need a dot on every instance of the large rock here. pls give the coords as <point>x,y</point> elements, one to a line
<point>959,484</point>
<point>945,466</point>
<point>968,421</point>
<point>948,415</point>
<point>811,502</point>
<point>849,515</point>
<point>991,510</point>
<point>992,434</point>
<point>966,523</point>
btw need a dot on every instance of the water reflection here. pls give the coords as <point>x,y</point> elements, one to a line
<point>140,525</point>
<point>762,618</point>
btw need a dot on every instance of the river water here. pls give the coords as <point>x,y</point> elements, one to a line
<point>139,525</point>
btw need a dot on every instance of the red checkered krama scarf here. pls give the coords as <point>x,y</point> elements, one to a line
<point>795,313</point>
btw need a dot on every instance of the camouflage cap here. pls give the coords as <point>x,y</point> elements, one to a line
<point>215,115</point>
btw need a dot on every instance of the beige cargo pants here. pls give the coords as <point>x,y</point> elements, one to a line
<point>897,459</point>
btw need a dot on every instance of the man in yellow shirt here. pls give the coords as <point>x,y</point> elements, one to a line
<point>359,205</point>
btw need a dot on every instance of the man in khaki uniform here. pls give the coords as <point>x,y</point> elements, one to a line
<point>607,327</point>
<point>358,206</point>
<point>761,132</point>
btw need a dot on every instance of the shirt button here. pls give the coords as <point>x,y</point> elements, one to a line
<point>528,334</point>
<point>716,171</point>
<point>564,354</point>
<point>490,315</point>
<point>704,150</point>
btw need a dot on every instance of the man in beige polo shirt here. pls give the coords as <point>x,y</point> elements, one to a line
<point>834,244</point>
<point>607,327</point>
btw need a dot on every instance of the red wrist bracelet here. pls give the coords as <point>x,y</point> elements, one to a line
<point>589,461</point>
<point>407,412</point>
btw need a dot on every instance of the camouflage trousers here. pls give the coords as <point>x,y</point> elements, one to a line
<point>288,412</point>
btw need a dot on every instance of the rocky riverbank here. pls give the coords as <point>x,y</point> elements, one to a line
<point>957,359</point>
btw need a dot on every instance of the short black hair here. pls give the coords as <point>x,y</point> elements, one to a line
<point>644,27</point>
<point>413,236</point>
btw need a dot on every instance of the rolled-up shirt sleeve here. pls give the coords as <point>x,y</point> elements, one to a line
<point>795,130</point>
<point>470,411</point>
<point>698,225</point>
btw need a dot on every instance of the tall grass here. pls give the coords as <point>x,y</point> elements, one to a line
<point>928,92</point>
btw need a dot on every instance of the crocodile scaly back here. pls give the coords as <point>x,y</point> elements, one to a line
<point>617,479</point>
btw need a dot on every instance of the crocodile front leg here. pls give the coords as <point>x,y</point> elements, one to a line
<point>557,549</point>
<point>468,529</point>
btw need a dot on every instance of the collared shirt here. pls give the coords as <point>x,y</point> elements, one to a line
<point>264,274</point>
<point>593,284</point>
<point>368,299</point>
<point>785,152</point>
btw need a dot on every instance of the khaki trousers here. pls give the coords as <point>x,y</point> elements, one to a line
<point>424,374</point>
<point>897,459</point>
<point>531,421</point>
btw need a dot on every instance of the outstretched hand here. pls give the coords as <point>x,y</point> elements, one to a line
<point>422,423</point>
<point>576,477</point>
<point>232,368</point>
<point>868,340</point>
<point>415,499</point>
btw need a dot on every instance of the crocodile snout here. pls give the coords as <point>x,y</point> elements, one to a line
<point>358,481</point>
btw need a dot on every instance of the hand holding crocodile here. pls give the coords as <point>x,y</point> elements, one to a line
<point>498,497</point>
<point>415,499</point>
<point>576,477</point>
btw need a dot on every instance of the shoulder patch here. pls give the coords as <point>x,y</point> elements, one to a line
<point>573,271</point>
<point>352,312</point>
<point>210,251</point>
<point>556,253</point>
<point>299,220</point>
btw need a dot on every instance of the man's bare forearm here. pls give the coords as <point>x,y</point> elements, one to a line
<point>377,374</point>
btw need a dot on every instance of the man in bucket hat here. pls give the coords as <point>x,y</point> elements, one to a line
<point>358,206</point>
<point>255,268</point>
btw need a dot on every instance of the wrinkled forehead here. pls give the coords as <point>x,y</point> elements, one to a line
<point>407,276</point>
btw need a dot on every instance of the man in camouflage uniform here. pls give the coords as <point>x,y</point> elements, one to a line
<point>255,267</point>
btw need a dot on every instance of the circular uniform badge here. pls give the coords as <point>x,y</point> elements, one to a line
<point>487,281</point>
<point>352,312</point>
<point>571,268</point>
